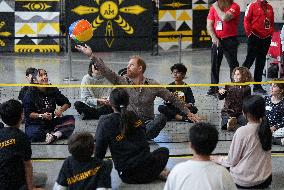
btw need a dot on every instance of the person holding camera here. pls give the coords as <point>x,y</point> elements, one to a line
<point>259,27</point>
<point>222,25</point>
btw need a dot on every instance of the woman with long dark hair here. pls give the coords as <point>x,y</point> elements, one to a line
<point>249,157</point>
<point>43,121</point>
<point>123,132</point>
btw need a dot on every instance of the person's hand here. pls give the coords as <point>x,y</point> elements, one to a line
<point>58,112</point>
<point>216,41</point>
<point>84,49</point>
<point>103,101</point>
<point>47,116</point>
<point>215,158</point>
<point>193,117</point>
<point>222,91</point>
<point>273,129</point>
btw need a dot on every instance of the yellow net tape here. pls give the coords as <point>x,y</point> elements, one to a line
<point>133,86</point>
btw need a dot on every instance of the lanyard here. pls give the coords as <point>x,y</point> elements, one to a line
<point>264,10</point>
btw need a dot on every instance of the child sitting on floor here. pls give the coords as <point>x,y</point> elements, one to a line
<point>183,93</point>
<point>200,173</point>
<point>16,171</point>
<point>81,170</point>
<point>249,157</point>
<point>231,113</point>
<point>274,111</point>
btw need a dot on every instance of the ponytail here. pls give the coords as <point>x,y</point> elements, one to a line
<point>265,135</point>
<point>119,100</point>
<point>127,123</point>
<point>255,106</point>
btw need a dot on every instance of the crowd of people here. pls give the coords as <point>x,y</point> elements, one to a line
<point>127,121</point>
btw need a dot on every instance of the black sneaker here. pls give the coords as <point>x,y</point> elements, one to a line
<point>259,90</point>
<point>212,91</point>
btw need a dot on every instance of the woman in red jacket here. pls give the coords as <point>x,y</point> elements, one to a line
<point>258,23</point>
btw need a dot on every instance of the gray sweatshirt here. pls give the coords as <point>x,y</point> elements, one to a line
<point>90,95</point>
<point>249,164</point>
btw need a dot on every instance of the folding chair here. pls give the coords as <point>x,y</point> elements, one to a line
<point>274,55</point>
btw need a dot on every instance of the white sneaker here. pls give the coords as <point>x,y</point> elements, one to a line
<point>50,138</point>
<point>279,133</point>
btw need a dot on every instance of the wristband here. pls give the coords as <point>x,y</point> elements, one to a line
<point>40,115</point>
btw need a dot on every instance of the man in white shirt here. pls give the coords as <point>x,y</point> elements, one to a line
<point>199,172</point>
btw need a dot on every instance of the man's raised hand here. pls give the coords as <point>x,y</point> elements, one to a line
<point>84,49</point>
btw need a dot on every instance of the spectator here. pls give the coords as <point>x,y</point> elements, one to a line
<point>122,132</point>
<point>259,27</point>
<point>200,173</point>
<point>231,114</point>
<point>42,120</point>
<point>222,25</point>
<point>184,93</point>
<point>249,156</point>
<point>274,106</point>
<point>30,72</point>
<point>81,170</point>
<point>141,99</point>
<point>15,151</point>
<point>94,100</point>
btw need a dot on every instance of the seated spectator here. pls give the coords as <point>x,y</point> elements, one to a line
<point>231,113</point>
<point>274,106</point>
<point>94,100</point>
<point>125,135</point>
<point>249,156</point>
<point>199,172</point>
<point>43,122</point>
<point>15,152</point>
<point>81,170</point>
<point>183,93</point>
<point>29,77</point>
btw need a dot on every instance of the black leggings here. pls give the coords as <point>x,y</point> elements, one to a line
<point>148,171</point>
<point>263,185</point>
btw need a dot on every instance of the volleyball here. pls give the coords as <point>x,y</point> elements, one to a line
<point>81,31</point>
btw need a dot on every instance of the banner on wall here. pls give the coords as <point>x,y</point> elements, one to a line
<point>118,25</point>
<point>34,23</point>
<point>175,18</point>
<point>183,17</point>
<point>201,38</point>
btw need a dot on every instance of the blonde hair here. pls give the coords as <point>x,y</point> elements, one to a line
<point>245,74</point>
